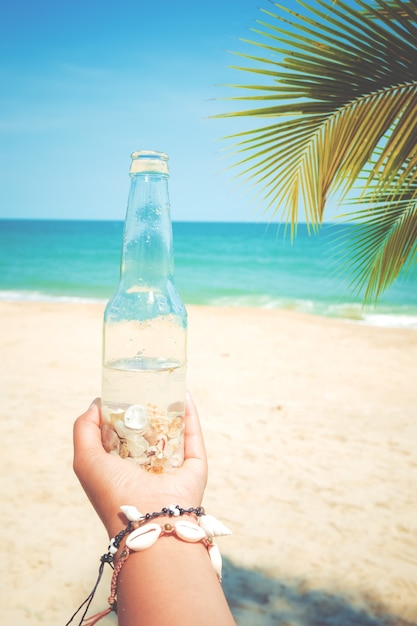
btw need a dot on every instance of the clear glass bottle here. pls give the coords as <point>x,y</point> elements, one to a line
<point>145,331</point>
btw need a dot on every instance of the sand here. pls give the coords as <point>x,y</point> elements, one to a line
<point>311,431</point>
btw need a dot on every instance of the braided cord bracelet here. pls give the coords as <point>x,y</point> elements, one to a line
<point>141,534</point>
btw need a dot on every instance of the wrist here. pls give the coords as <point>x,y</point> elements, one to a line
<point>184,528</point>
<point>171,539</point>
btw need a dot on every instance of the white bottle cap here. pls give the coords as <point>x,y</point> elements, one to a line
<point>149,161</point>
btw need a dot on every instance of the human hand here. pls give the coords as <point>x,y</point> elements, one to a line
<point>110,481</point>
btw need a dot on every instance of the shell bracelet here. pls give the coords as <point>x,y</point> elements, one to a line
<point>143,534</point>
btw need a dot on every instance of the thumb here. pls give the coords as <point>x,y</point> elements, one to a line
<point>87,434</point>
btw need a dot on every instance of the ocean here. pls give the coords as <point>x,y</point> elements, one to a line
<point>216,263</point>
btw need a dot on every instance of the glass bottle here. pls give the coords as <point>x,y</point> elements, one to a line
<point>145,331</point>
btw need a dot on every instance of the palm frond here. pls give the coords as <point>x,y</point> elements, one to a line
<point>320,75</point>
<point>382,246</point>
<point>385,238</point>
<point>341,82</point>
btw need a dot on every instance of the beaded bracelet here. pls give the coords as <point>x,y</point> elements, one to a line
<point>143,535</point>
<point>136,519</point>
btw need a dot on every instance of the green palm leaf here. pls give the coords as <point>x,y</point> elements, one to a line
<point>385,238</point>
<point>339,89</point>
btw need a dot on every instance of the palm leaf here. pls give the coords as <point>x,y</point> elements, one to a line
<point>385,236</point>
<point>341,83</point>
<point>382,246</point>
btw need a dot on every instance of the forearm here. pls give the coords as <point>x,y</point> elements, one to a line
<point>172,581</point>
<point>185,588</point>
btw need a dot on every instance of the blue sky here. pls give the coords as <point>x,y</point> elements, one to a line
<point>87,82</point>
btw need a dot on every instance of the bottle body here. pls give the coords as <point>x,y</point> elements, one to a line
<point>145,336</point>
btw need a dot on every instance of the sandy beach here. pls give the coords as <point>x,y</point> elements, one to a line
<point>311,431</point>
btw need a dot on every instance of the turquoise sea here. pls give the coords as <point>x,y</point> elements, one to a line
<point>223,264</point>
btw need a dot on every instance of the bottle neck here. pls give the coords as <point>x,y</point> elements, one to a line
<point>147,255</point>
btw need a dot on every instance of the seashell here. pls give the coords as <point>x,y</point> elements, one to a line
<point>137,445</point>
<point>216,559</point>
<point>159,424</point>
<point>175,427</point>
<point>124,450</point>
<point>189,532</point>
<point>153,411</point>
<point>176,407</point>
<point>143,537</point>
<point>139,461</point>
<point>151,451</point>
<point>116,415</point>
<point>213,527</point>
<point>121,429</point>
<point>160,446</point>
<point>135,417</point>
<point>150,437</point>
<point>109,438</point>
<point>131,512</point>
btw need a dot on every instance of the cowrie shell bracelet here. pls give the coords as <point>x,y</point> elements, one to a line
<point>143,534</point>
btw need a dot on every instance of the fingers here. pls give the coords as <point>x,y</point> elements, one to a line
<point>193,441</point>
<point>87,435</point>
<point>88,446</point>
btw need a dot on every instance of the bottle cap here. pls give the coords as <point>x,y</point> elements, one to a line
<point>149,161</point>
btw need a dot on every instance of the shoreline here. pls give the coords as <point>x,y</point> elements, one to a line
<point>310,430</point>
<point>351,313</point>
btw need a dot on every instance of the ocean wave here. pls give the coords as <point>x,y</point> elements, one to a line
<point>37,296</point>
<point>349,312</point>
<point>391,321</point>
